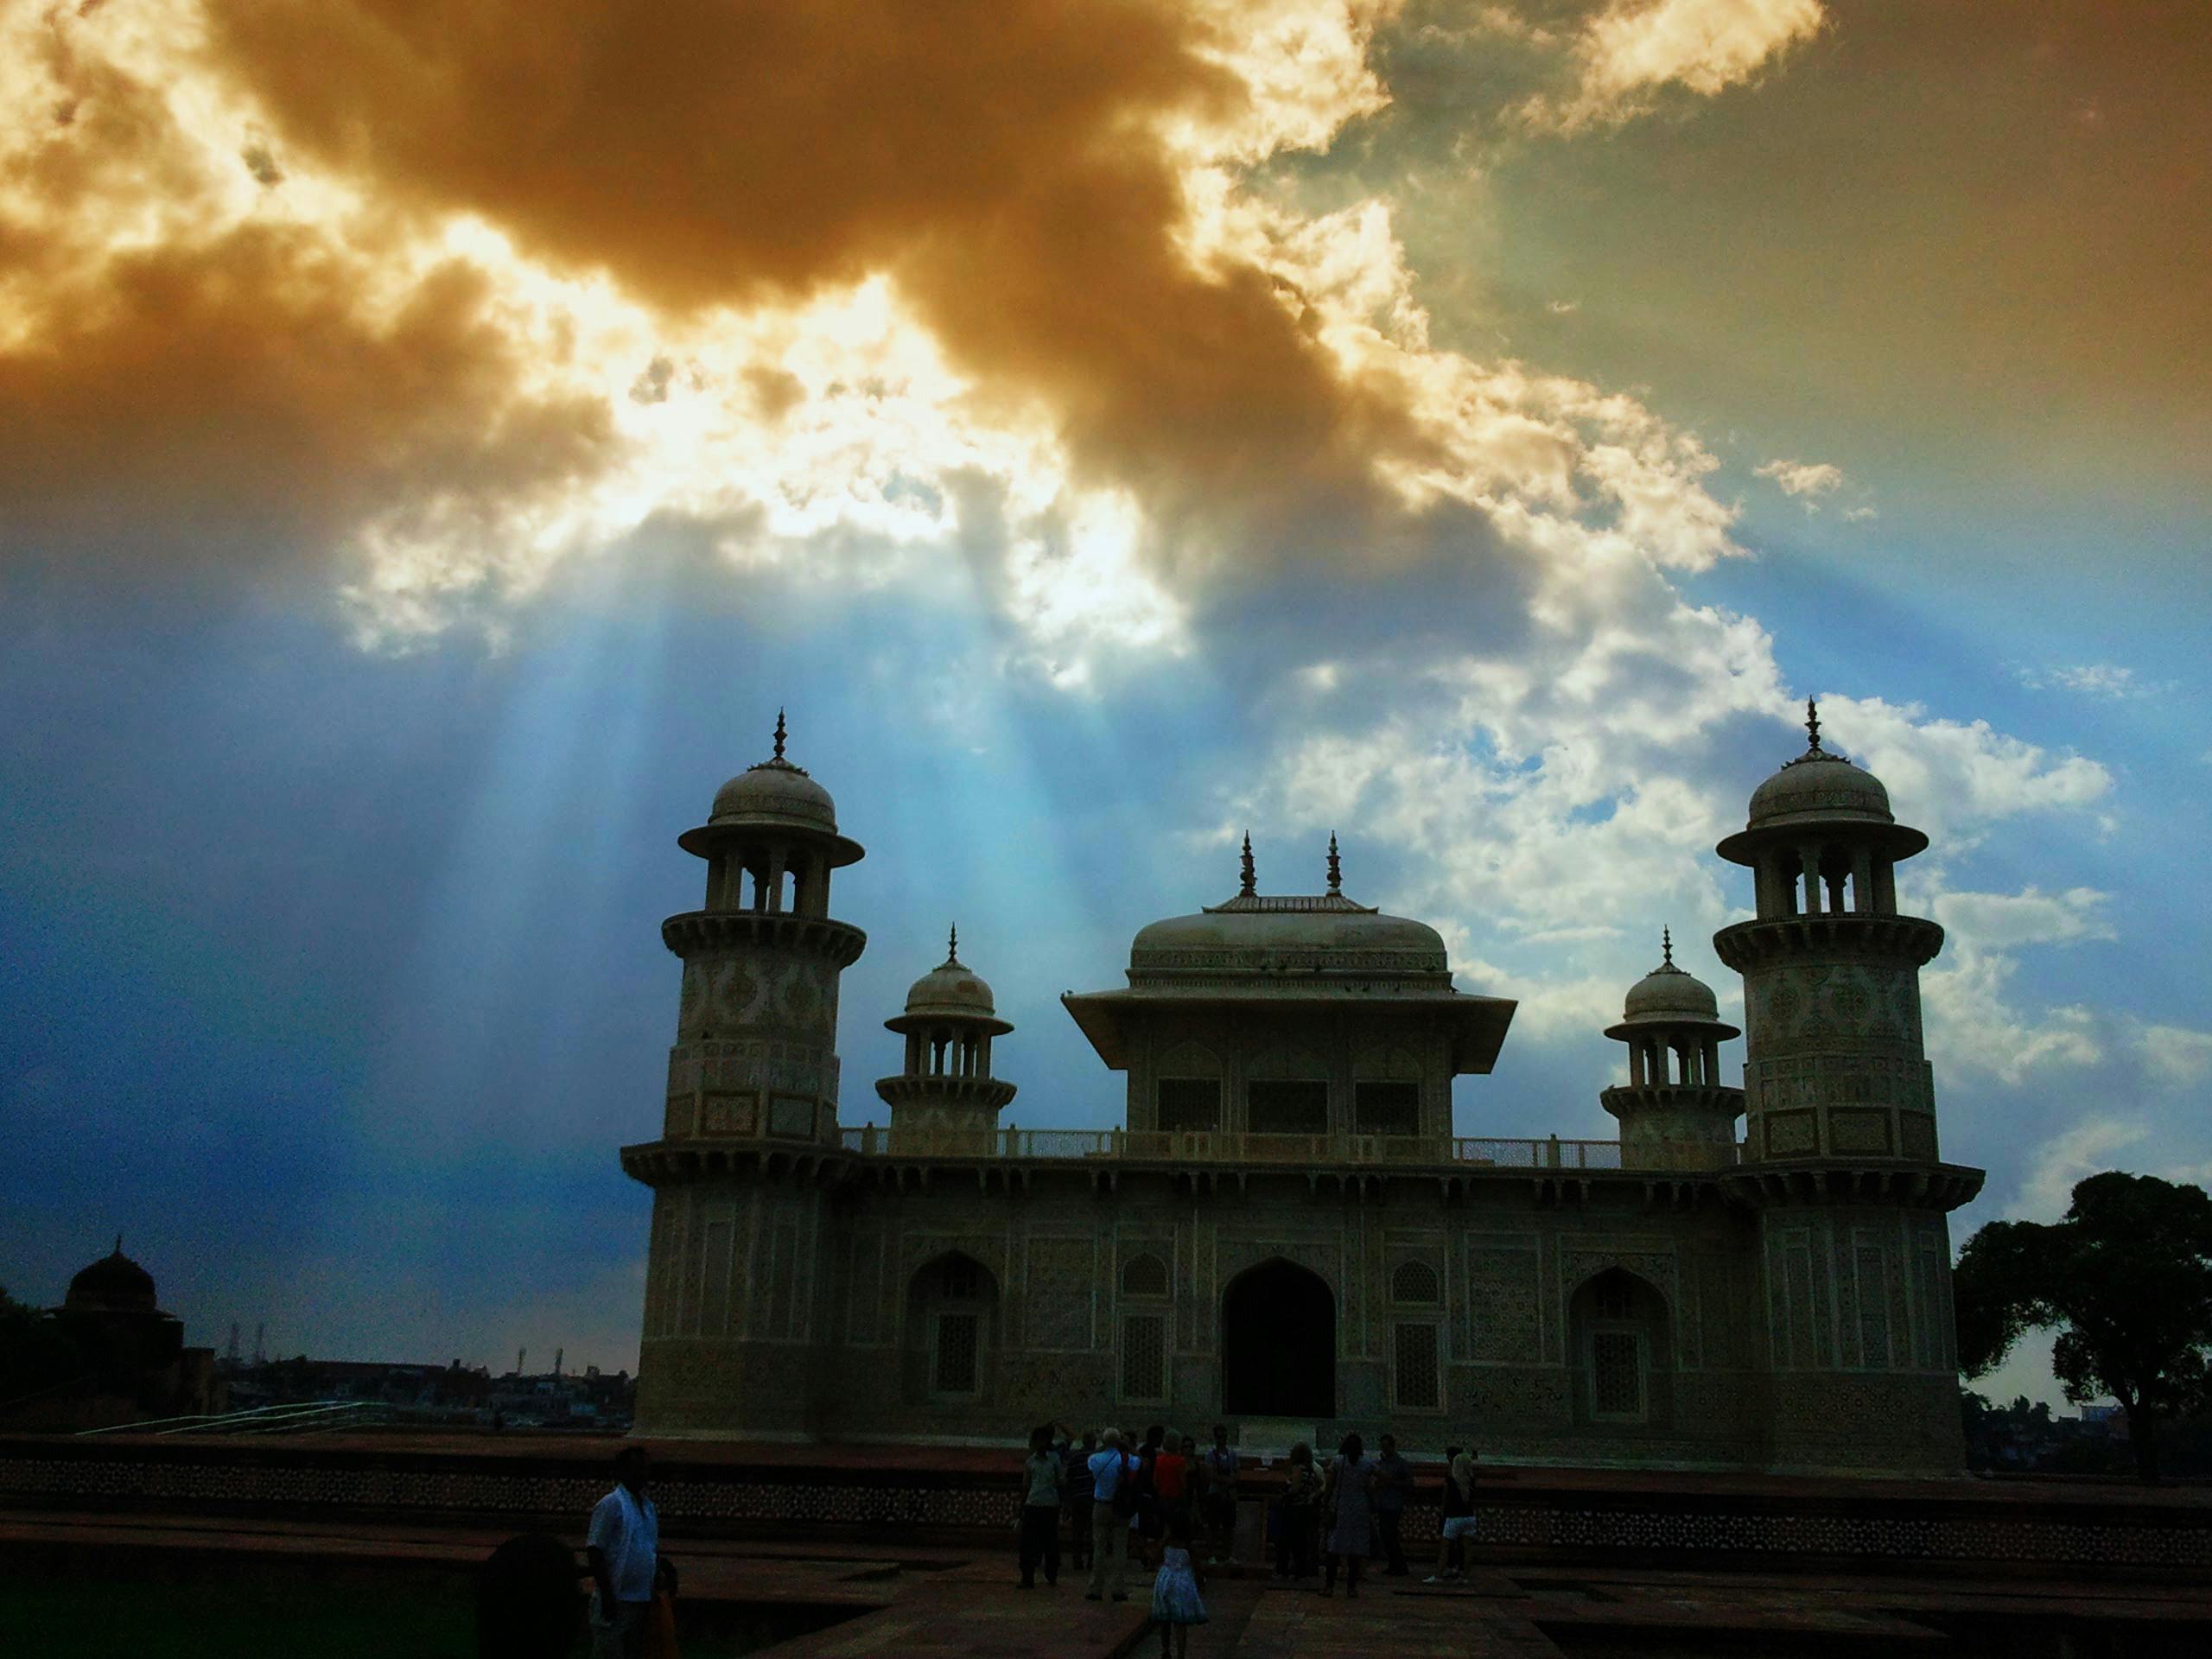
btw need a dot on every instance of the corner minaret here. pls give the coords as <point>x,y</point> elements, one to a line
<point>1674,1114</point>
<point>751,1109</point>
<point>1834,1066</point>
<point>946,1096</point>
<point>756,1049</point>
<point>1840,1155</point>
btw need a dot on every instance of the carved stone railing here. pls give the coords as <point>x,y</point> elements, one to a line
<point>1165,1145</point>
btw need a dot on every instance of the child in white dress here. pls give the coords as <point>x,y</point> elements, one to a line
<point>1175,1603</point>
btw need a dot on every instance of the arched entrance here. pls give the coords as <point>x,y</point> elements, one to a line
<point>1279,1345</point>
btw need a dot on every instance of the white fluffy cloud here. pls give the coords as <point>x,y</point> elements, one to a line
<point>1803,477</point>
<point>2175,1057</point>
<point>1633,49</point>
<point>2089,1148</point>
<point>1565,794</point>
<point>2110,680</point>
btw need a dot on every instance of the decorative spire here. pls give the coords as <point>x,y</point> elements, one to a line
<point>1812,725</point>
<point>1666,947</point>
<point>952,946</point>
<point>1249,878</point>
<point>779,733</point>
<point>118,1243</point>
<point>1336,865</point>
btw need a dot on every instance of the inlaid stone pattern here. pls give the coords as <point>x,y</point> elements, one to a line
<point>1815,1080</point>
<point>1504,1303</point>
<point>1061,1278</point>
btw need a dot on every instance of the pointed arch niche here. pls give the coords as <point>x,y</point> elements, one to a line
<point>952,1312</point>
<point>1623,1352</point>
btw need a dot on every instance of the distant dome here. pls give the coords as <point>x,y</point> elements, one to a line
<point>114,1284</point>
<point>1819,786</point>
<point>1668,996</point>
<point>775,792</point>
<point>951,990</point>
<point>1667,993</point>
<point>954,988</point>
<point>772,802</point>
<point>1820,791</point>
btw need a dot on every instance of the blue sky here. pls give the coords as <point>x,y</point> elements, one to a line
<point>371,632</point>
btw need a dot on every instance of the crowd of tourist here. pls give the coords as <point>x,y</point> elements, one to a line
<point>1155,1503</point>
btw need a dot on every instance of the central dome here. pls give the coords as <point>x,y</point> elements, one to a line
<point>1293,937</point>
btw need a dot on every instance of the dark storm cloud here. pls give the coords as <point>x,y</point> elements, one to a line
<point>242,392</point>
<point>228,400</point>
<point>1004,162</point>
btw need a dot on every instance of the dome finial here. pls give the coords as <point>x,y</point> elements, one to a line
<point>779,733</point>
<point>952,943</point>
<point>1336,865</point>
<point>1249,878</point>
<point>1812,725</point>
<point>118,1243</point>
<point>1666,946</point>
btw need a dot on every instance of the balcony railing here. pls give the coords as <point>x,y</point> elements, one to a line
<point>1169,1146</point>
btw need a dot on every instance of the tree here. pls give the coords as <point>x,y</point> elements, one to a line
<point>2125,1279</point>
<point>37,1355</point>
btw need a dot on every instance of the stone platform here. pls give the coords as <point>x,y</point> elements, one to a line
<point>911,1496</point>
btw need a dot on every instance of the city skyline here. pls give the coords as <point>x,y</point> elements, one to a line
<point>1473,430</point>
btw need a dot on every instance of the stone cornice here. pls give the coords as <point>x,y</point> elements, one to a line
<point>837,943</point>
<point>982,1092</point>
<point>1749,945</point>
<point>684,1162</point>
<point>1828,1181</point>
<point>1671,1096</point>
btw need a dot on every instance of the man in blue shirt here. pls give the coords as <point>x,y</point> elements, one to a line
<point>623,1551</point>
<point>1110,1468</point>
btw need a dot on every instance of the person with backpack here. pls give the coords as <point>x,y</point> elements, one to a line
<point>1393,1485</point>
<point>1041,1510</point>
<point>1301,1493</point>
<point>1113,1507</point>
<point>1148,1507</point>
<point>1220,1471</point>
<point>1075,1497</point>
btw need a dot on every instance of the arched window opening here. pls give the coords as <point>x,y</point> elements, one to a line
<point>951,1323</point>
<point>1144,1276</point>
<point>1414,1281</point>
<point>1837,878</point>
<point>960,1279</point>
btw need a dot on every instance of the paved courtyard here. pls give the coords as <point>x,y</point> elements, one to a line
<point>919,1602</point>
